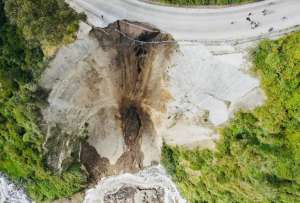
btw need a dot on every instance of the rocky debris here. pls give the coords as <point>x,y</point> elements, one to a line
<point>96,165</point>
<point>131,194</point>
<point>150,185</point>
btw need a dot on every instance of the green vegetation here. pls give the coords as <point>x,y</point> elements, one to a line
<point>21,63</point>
<point>205,2</point>
<point>51,22</point>
<point>258,157</point>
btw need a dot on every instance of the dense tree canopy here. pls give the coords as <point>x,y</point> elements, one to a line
<point>258,158</point>
<point>51,22</point>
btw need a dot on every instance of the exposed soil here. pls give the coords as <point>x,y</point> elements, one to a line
<point>132,159</point>
<point>131,125</point>
<point>136,90</point>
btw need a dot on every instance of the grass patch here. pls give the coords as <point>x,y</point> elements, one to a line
<point>258,157</point>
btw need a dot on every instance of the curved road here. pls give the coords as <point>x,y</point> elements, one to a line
<point>200,24</point>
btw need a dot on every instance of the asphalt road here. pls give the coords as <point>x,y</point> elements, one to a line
<point>273,17</point>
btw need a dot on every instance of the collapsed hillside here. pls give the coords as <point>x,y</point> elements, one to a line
<point>109,96</point>
<point>116,94</point>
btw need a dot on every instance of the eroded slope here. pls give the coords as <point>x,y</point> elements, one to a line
<point>118,92</point>
<point>108,94</point>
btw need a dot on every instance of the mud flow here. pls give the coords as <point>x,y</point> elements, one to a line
<point>131,125</point>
